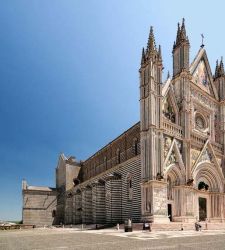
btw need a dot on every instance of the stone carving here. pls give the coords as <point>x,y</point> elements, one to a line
<point>167,145</point>
<point>218,134</point>
<point>219,161</point>
<point>201,77</point>
<point>203,186</point>
<point>194,155</point>
<point>172,159</point>
<point>168,111</point>
<point>190,182</point>
<point>199,122</point>
<point>203,99</point>
<point>206,156</point>
<point>160,196</point>
<point>179,145</point>
<point>159,177</point>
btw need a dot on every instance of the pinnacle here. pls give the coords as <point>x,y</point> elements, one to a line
<point>143,56</point>
<point>221,67</point>
<point>151,41</point>
<point>178,33</point>
<point>216,70</point>
<point>181,34</point>
<point>219,71</point>
<point>183,30</point>
<point>160,52</point>
<point>151,52</point>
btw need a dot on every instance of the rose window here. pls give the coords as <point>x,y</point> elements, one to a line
<point>199,122</point>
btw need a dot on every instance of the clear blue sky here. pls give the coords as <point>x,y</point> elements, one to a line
<point>69,77</point>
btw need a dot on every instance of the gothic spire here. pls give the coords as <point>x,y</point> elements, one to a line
<point>181,34</point>
<point>143,57</point>
<point>183,31</point>
<point>178,34</point>
<point>160,53</point>
<point>216,70</point>
<point>219,71</point>
<point>221,67</point>
<point>151,41</point>
<point>181,50</point>
<point>174,45</point>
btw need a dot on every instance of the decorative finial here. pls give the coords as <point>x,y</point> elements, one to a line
<point>183,30</point>
<point>151,41</point>
<point>219,72</point>
<point>178,33</point>
<point>216,70</point>
<point>202,46</point>
<point>181,35</point>
<point>183,20</point>
<point>143,56</point>
<point>221,67</point>
<point>160,52</point>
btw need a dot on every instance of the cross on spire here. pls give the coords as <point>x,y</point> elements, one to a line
<point>202,46</point>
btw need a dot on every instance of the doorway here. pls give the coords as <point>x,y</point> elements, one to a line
<point>169,206</point>
<point>202,208</point>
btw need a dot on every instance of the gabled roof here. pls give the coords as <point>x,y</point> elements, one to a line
<point>202,56</point>
<point>165,86</point>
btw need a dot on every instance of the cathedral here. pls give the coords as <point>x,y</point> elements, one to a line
<point>169,167</point>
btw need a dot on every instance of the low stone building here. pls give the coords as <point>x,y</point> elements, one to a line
<point>167,167</point>
<point>39,205</point>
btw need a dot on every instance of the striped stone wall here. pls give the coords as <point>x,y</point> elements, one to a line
<point>77,206</point>
<point>87,205</point>
<point>109,197</point>
<point>69,210</point>
<point>98,203</point>
<point>113,201</point>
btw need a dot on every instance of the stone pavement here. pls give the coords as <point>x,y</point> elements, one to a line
<point>145,235</point>
<point>56,239</point>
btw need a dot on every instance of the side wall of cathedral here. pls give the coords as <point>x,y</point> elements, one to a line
<point>110,197</point>
<point>39,205</point>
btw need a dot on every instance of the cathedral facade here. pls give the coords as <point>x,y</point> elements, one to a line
<point>167,167</point>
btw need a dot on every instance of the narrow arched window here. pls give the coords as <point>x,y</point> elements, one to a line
<point>129,187</point>
<point>105,162</point>
<point>130,183</point>
<point>135,146</point>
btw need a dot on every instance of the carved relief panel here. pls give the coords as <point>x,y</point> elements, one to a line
<point>168,110</point>
<point>160,196</point>
<point>172,151</point>
<point>194,156</point>
<point>202,120</point>
<point>167,145</point>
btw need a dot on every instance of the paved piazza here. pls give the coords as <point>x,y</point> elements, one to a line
<point>55,239</point>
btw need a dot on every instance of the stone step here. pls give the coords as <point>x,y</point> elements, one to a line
<point>172,226</point>
<point>177,226</point>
